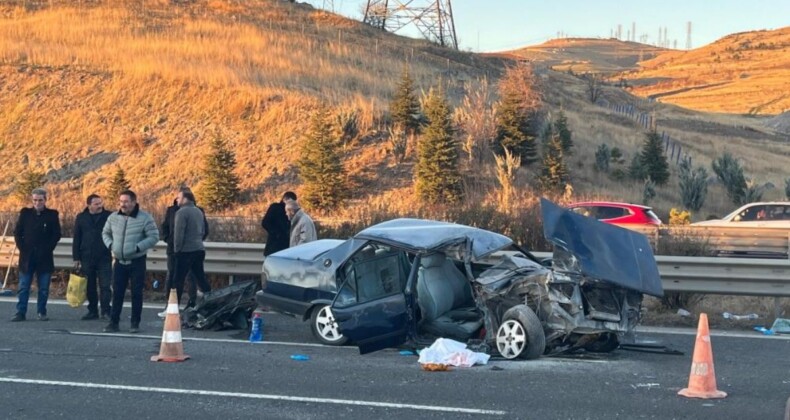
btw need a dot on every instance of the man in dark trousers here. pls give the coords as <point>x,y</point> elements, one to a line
<point>129,233</point>
<point>168,226</point>
<point>277,225</point>
<point>36,233</point>
<point>188,234</point>
<point>92,258</point>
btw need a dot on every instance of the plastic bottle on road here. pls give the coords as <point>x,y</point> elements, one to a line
<point>256,333</point>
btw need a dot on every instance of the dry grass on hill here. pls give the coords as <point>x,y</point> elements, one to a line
<point>583,55</point>
<point>745,73</point>
<point>145,85</point>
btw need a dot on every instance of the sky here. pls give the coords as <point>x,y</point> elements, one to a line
<point>498,25</point>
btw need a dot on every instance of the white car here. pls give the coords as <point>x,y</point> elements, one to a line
<point>765,215</point>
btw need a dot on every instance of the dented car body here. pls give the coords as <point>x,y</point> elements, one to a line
<point>415,280</point>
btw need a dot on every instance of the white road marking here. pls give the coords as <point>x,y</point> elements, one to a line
<point>213,340</point>
<point>254,396</point>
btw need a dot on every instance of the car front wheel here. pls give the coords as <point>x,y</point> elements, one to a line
<point>325,327</point>
<point>521,334</point>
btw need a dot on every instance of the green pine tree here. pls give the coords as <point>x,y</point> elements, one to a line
<point>653,159</point>
<point>27,182</point>
<point>405,107</point>
<point>437,177</point>
<point>561,128</point>
<point>320,166</point>
<point>220,187</point>
<point>554,173</point>
<point>513,129</point>
<point>118,184</point>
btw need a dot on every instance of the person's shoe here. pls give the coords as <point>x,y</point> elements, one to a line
<point>162,314</point>
<point>43,317</point>
<point>89,316</point>
<point>17,318</point>
<point>105,317</point>
<point>111,328</point>
<point>135,328</point>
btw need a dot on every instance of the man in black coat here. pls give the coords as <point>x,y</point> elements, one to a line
<point>277,225</point>
<point>36,233</point>
<point>92,257</point>
<point>168,234</point>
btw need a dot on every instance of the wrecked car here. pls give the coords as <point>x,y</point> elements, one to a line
<point>411,280</point>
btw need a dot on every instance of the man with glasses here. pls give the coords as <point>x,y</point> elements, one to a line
<point>36,233</point>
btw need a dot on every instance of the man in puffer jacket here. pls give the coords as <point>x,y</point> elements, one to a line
<point>129,233</point>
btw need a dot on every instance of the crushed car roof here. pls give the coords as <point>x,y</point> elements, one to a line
<point>603,251</point>
<point>426,235</point>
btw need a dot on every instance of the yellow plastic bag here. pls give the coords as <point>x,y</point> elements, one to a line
<point>77,292</point>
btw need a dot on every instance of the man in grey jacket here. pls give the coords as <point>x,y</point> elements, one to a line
<point>302,226</point>
<point>188,234</point>
<point>129,233</point>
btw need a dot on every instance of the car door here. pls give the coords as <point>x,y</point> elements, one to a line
<point>371,307</point>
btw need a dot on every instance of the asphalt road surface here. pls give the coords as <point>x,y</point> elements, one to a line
<point>67,368</point>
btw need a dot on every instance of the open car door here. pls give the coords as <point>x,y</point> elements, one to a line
<point>370,307</point>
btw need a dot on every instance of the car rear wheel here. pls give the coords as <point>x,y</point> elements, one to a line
<point>521,334</point>
<point>325,327</point>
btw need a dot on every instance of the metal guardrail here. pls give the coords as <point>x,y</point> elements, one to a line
<point>735,276</point>
<point>725,240</point>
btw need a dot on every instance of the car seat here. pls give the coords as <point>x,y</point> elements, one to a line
<point>445,299</point>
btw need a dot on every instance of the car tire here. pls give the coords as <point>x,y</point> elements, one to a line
<point>605,343</point>
<point>520,335</point>
<point>325,328</point>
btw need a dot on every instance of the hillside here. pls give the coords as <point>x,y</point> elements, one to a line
<point>146,85</point>
<point>583,55</point>
<point>744,73</point>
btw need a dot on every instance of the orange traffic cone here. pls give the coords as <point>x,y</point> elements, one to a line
<point>702,380</point>
<point>172,349</point>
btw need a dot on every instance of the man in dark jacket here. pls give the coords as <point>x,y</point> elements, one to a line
<point>37,232</point>
<point>91,257</point>
<point>168,228</point>
<point>277,225</point>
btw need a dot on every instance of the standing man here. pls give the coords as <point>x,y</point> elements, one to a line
<point>129,233</point>
<point>188,234</point>
<point>36,233</point>
<point>168,228</point>
<point>92,257</point>
<point>302,226</point>
<point>277,226</point>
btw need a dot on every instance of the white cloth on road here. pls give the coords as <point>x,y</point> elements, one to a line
<point>450,352</point>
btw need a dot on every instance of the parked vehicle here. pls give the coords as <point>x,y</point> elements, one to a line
<point>415,280</point>
<point>758,215</point>
<point>617,213</point>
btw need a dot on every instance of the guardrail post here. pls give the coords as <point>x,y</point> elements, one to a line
<point>777,308</point>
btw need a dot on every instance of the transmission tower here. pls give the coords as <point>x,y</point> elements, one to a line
<point>688,35</point>
<point>433,18</point>
<point>329,5</point>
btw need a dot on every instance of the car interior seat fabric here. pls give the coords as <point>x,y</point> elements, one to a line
<point>445,299</point>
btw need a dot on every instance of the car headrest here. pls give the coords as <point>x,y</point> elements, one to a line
<point>433,260</point>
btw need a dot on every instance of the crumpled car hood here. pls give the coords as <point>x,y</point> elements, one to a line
<point>600,251</point>
<point>426,235</point>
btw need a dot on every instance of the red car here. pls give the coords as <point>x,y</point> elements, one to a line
<point>617,213</point>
